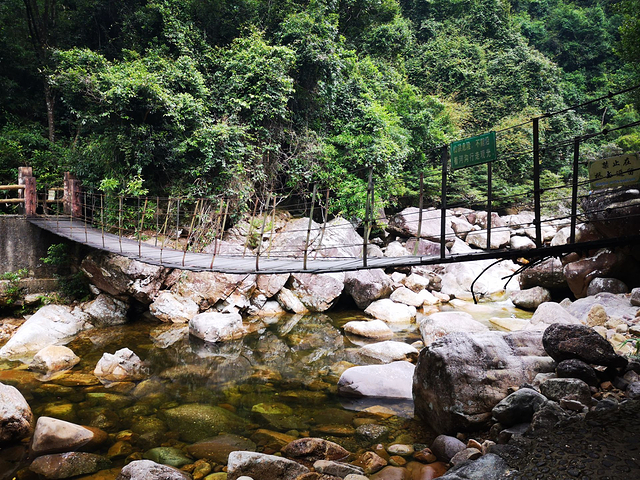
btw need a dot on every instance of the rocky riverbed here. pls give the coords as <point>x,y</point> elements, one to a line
<point>176,374</point>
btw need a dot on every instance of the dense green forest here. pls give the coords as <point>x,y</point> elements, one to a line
<point>241,97</point>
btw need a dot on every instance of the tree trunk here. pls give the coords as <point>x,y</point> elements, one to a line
<point>50,101</point>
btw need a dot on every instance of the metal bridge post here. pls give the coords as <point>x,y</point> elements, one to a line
<point>574,189</point>
<point>489,192</point>
<point>306,244</point>
<point>415,248</point>
<point>369,205</point>
<point>443,203</point>
<point>264,222</point>
<point>273,224</point>
<point>536,181</point>
<point>246,242</point>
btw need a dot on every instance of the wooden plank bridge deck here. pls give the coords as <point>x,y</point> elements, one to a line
<point>77,231</point>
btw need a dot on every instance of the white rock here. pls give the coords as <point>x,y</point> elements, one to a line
<point>406,296</point>
<point>440,324</point>
<point>416,282</point>
<point>389,351</point>
<point>262,466</point>
<point>51,325</point>
<point>216,327</point>
<point>55,436</point>
<point>390,311</point>
<point>54,358</point>
<point>460,247</point>
<point>391,380</point>
<point>15,415</point>
<point>168,307</point>
<point>429,298</point>
<point>122,366</point>
<point>395,249</point>
<point>369,329</point>
<point>270,308</point>
<point>548,313</point>
<point>290,301</point>
<point>561,237</point>
<point>518,242</point>
<point>509,324</point>
<point>500,237</point>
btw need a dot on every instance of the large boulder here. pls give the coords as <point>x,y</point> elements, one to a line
<point>422,247</point>
<point>317,292</point>
<point>580,274</point>
<point>614,305</point>
<point>439,324</point>
<point>340,240</point>
<point>406,223</point>
<point>262,466</point>
<point>366,286</point>
<point>458,278</point>
<point>171,308</point>
<point>106,310</point>
<point>215,327</point>
<point>548,274</point>
<point>208,288</point>
<point>51,325</point>
<point>392,380</point>
<point>270,284</point>
<point>15,415</point>
<point>124,277</point>
<point>218,448</point>
<point>461,377</point>
<point>564,342</point>
<point>608,285</point>
<point>610,212</point>
<point>549,313</point>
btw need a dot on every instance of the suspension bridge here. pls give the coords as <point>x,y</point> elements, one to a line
<point>193,234</point>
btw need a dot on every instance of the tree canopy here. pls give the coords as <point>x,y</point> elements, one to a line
<point>242,97</point>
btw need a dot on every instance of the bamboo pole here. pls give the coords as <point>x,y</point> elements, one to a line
<point>306,245</point>
<point>264,222</point>
<point>140,227</point>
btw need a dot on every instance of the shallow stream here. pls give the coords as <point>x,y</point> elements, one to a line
<point>279,379</point>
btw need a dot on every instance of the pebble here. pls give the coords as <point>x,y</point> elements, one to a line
<point>399,449</point>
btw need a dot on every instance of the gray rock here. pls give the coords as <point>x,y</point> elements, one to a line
<point>574,368</point>
<point>317,292</point>
<point>122,276</point>
<point>366,286</point>
<point>70,464</point>
<point>209,288</point>
<point>122,366</point>
<point>549,416</point>
<point>406,223</point>
<point>500,237</point>
<point>465,455</point>
<point>15,415</point>
<point>633,390</point>
<point>263,467</point>
<point>106,311</point>
<point>392,380</point>
<point>148,470</point>
<point>557,389</point>
<point>518,407</point>
<point>518,242</point>
<point>563,342</point>
<point>370,329</point>
<point>610,285</point>
<point>310,449</point>
<point>531,298</point>
<point>424,247</point>
<point>461,377</point>
<point>548,274</point>
<point>445,447</point>
<point>372,433</point>
<point>337,469</point>
<point>635,297</point>
<point>616,305</point>
<point>487,467</point>
<point>407,296</point>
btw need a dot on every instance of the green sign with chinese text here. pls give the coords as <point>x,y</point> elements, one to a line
<point>473,151</point>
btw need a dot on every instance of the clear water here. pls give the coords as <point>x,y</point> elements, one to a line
<point>290,363</point>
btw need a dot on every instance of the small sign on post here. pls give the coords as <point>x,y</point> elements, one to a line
<point>473,151</point>
<point>615,171</point>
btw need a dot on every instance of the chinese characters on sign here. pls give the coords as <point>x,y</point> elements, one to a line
<point>473,151</point>
<point>615,171</point>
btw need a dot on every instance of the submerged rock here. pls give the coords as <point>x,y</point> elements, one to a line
<point>57,436</point>
<point>195,422</point>
<point>392,380</point>
<point>263,467</point>
<point>147,470</point>
<point>70,464</point>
